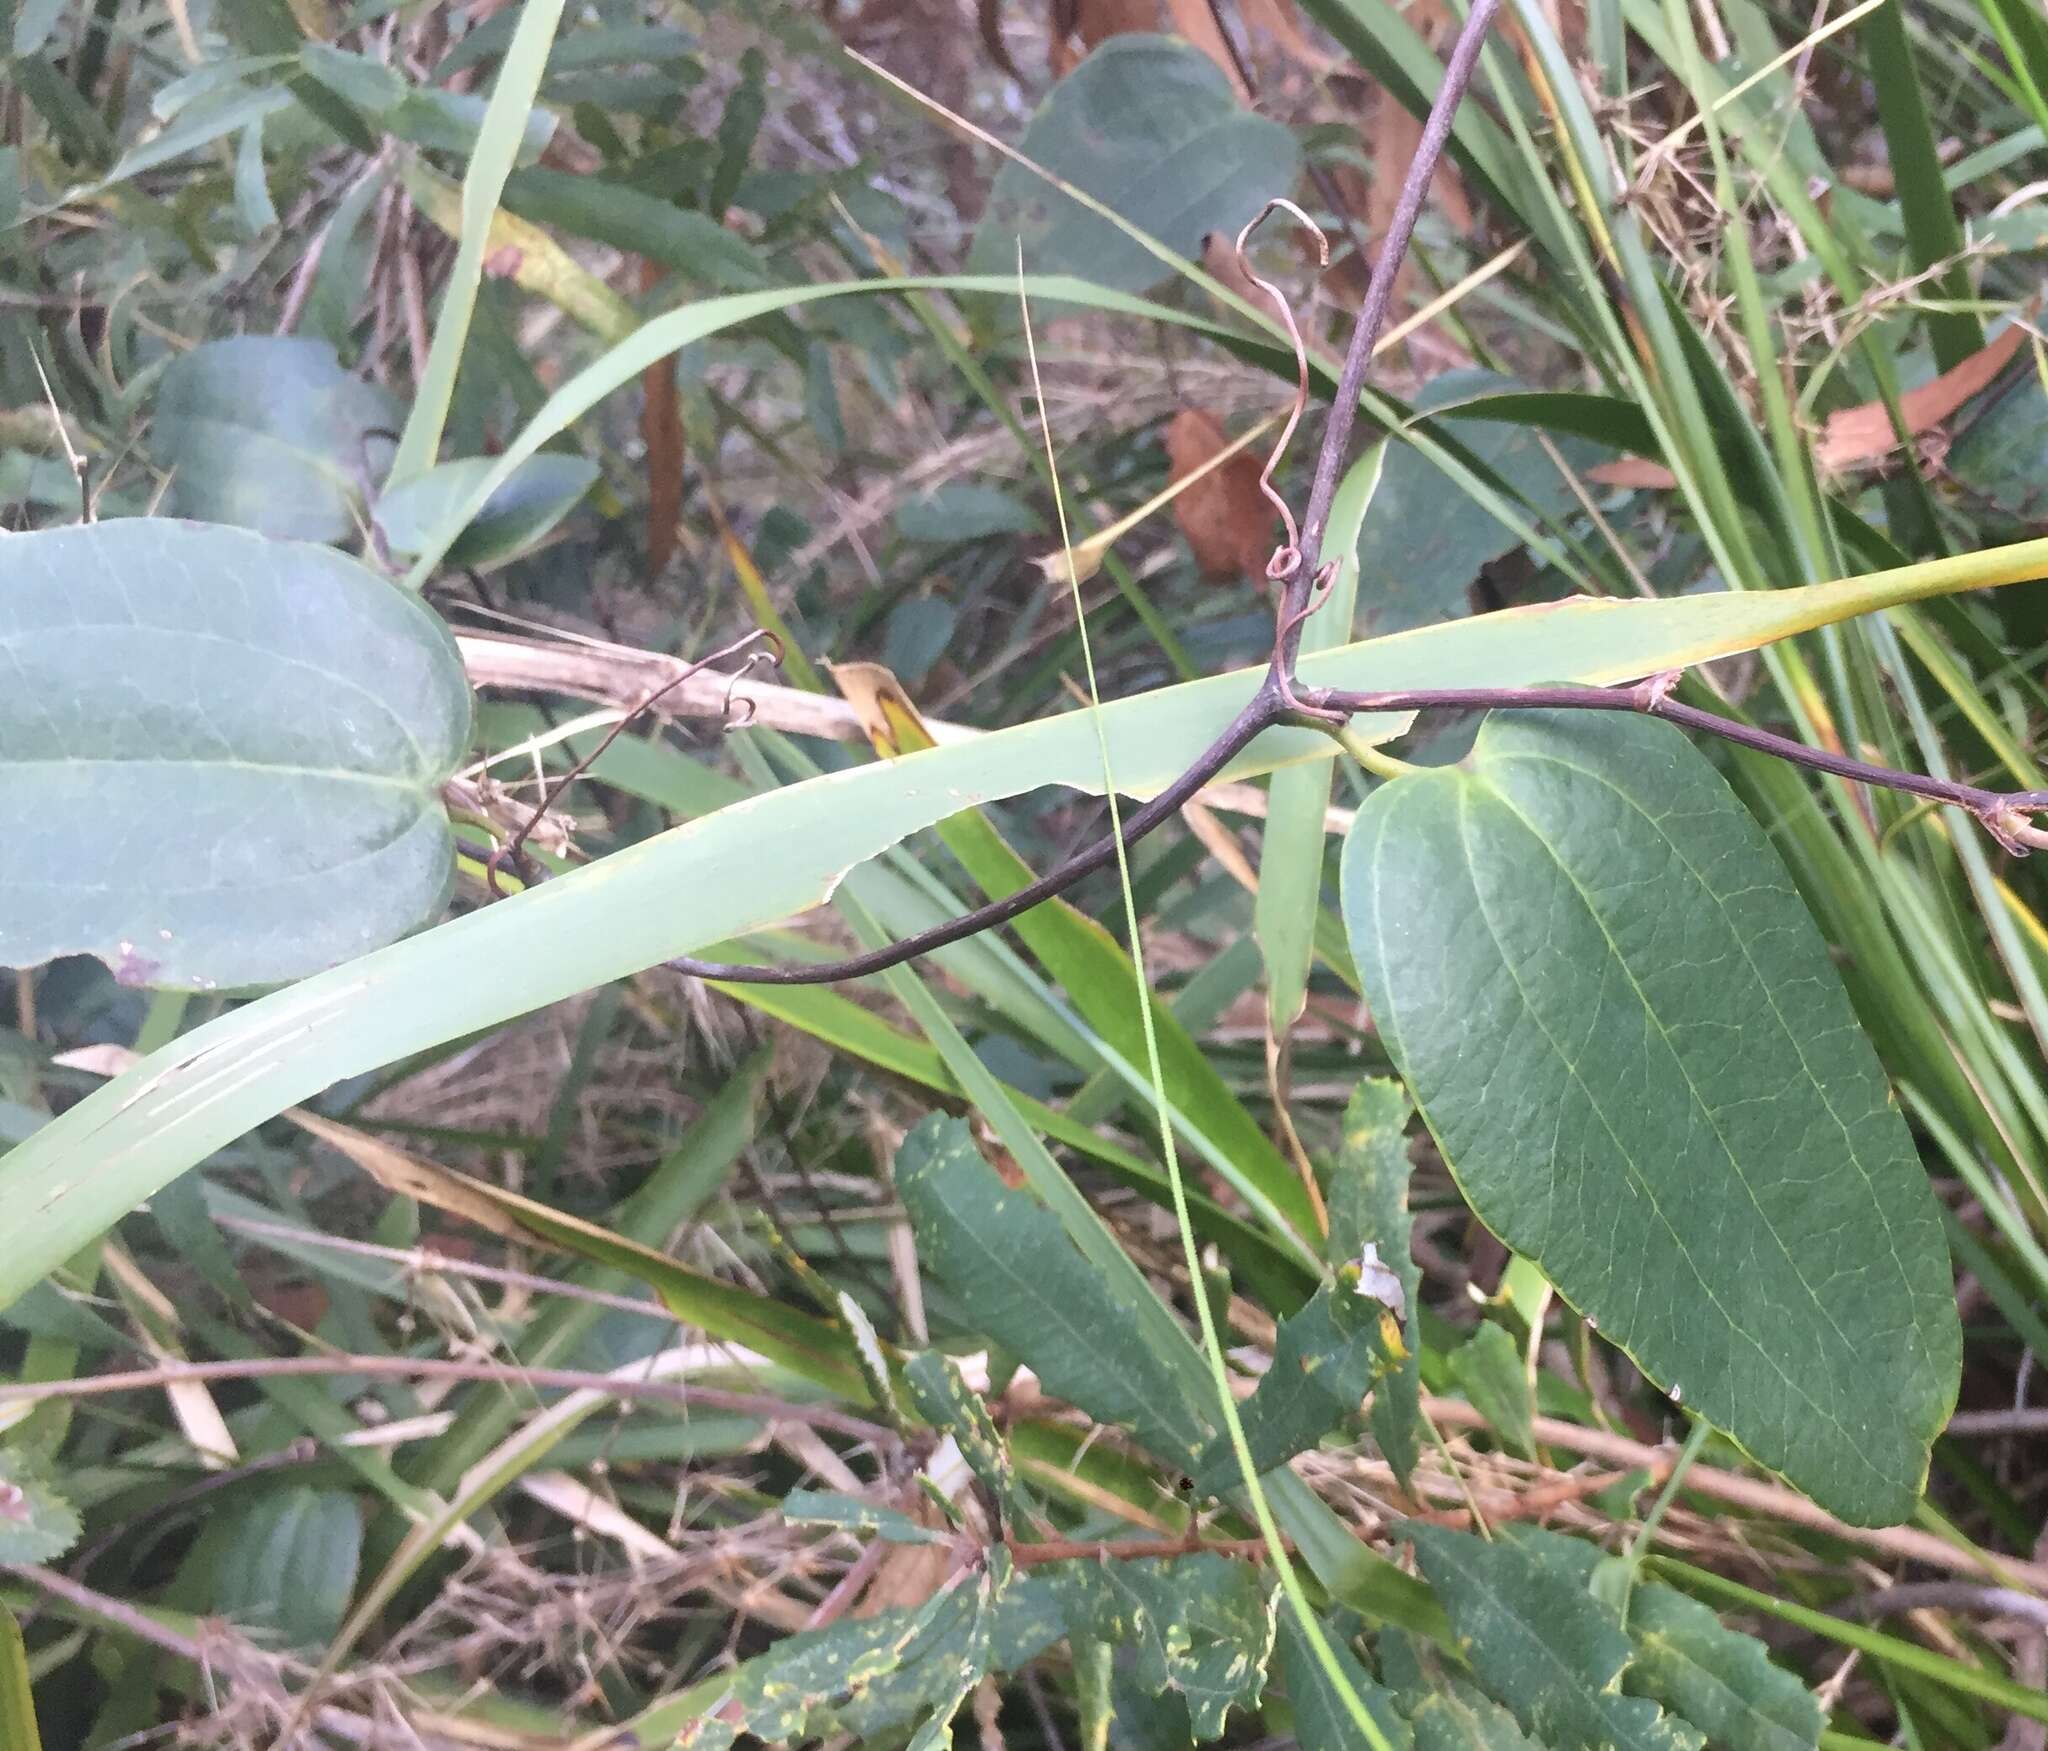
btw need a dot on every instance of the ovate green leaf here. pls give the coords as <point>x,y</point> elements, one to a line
<point>220,756</point>
<point>1424,542</point>
<point>1626,1033</point>
<point>1540,1645</point>
<point>966,510</point>
<point>271,433</point>
<point>1150,127</point>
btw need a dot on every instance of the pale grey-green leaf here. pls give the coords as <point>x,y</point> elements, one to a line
<point>220,756</point>
<point>290,1565</point>
<point>269,432</point>
<point>519,512</point>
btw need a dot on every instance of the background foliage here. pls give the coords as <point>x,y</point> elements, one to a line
<point>427,1320</point>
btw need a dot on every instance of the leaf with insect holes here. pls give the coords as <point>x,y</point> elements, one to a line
<point>1201,1626</point>
<point>270,433</point>
<point>1327,1357</point>
<point>220,756</point>
<point>1151,128</point>
<point>1444,1711</point>
<point>1625,1031</point>
<point>867,1676</point>
<point>944,1399</point>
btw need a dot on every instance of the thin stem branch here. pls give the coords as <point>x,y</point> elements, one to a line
<point>1275,702</point>
<point>1945,1596</point>
<point>434,1368</point>
<point>1386,267</point>
<point>2001,813</point>
<point>1259,713</point>
<point>1061,1550</point>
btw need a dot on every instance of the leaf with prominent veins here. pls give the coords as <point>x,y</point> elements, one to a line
<point>1625,1031</point>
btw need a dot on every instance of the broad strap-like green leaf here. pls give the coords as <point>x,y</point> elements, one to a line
<point>858,1514</point>
<point>1539,1643</point>
<point>220,755</point>
<point>1369,1207</point>
<point>1625,1031</point>
<point>1200,1626</point>
<point>1028,1286</point>
<point>1294,848</point>
<point>751,865</point>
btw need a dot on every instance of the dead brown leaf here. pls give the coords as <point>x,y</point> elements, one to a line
<point>661,430</point>
<point>1196,20</point>
<point>1094,22</point>
<point>1225,516</point>
<point>1278,21</point>
<point>1856,436</point>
